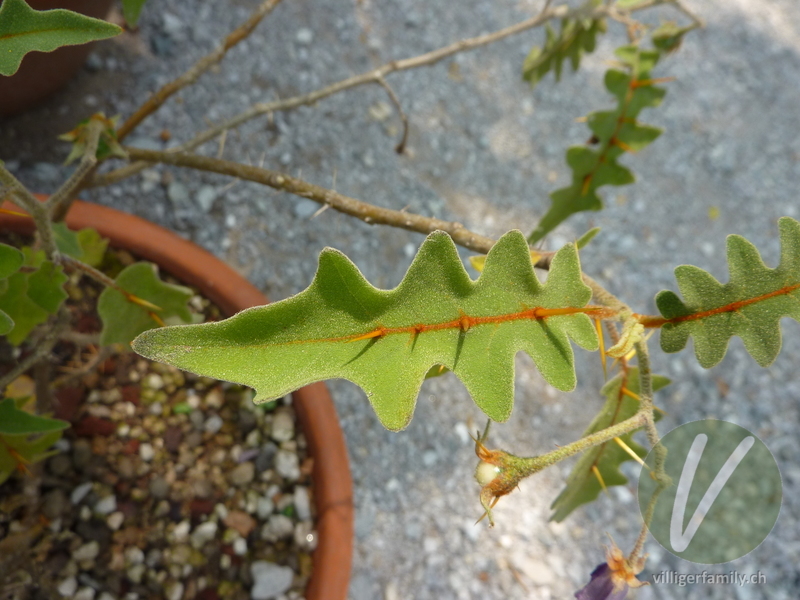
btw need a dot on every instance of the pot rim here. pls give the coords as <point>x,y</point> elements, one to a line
<point>333,488</point>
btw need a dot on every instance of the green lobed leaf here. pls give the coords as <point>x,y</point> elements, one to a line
<point>67,240</point>
<point>123,320</point>
<point>575,37</point>
<point>24,30</point>
<point>14,421</point>
<point>10,260</point>
<point>614,132</point>
<point>750,305</point>
<point>18,306</point>
<point>46,287</point>
<point>582,484</point>
<point>86,245</point>
<point>131,9</point>
<point>587,237</point>
<point>669,36</point>
<point>386,341</point>
<point>93,246</point>
<point>31,448</point>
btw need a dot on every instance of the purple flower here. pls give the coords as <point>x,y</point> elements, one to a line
<point>611,579</point>
<point>602,586</point>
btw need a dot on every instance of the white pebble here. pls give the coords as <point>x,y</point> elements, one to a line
<point>240,546</point>
<point>136,572</point>
<point>214,398</point>
<point>287,464</point>
<point>269,580</point>
<point>85,593</point>
<point>146,452</point>
<point>205,532</point>
<point>88,551</point>
<point>134,555</point>
<point>174,591</point>
<point>106,506</point>
<point>181,531</point>
<point>265,507</point>
<point>79,493</point>
<point>282,426</point>
<point>67,587</point>
<point>115,520</point>
<point>277,528</point>
<point>302,503</point>
<point>213,424</point>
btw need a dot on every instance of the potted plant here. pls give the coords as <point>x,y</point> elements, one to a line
<point>231,293</point>
<point>388,341</point>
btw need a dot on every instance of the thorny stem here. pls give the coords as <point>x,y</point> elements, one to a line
<point>647,408</point>
<point>280,181</point>
<point>59,203</point>
<point>535,464</point>
<point>204,64</point>
<point>374,76</point>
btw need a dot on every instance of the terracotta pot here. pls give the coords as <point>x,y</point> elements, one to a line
<point>333,493</point>
<point>42,73</point>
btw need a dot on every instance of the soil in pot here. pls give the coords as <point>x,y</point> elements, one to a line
<point>168,485</point>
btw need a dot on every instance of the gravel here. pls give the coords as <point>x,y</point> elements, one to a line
<point>483,150</point>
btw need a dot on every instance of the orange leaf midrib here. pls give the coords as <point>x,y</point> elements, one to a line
<point>652,321</point>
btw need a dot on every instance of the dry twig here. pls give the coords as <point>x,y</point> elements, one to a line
<point>201,66</point>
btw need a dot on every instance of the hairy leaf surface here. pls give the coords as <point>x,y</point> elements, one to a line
<point>386,341</point>
<point>750,305</point>
<point>24,30</point>
<point>583,486</point>
<point>614,132</point>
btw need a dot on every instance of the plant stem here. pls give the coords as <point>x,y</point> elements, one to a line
<point>659,473</point>
<point>59,203</point>
<point>36,210</point>
<point>369,77</point>
<point>361,210</point>
<point>537,463</point>
<point>201,66</point>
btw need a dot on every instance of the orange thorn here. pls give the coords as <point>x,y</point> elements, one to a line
<point>597,474</point>
<point>586,183</point>
<point>646,82</point>
<point>157,319</point>
<point>381,331</point>
<point>602,341</point>
<point>13,212</point>
<point>620,144</point>
<point>141,302</point>
<point>630,451</point>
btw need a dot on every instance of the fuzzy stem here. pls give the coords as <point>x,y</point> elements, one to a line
<point>36,210</point>
<point>534,464</point>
